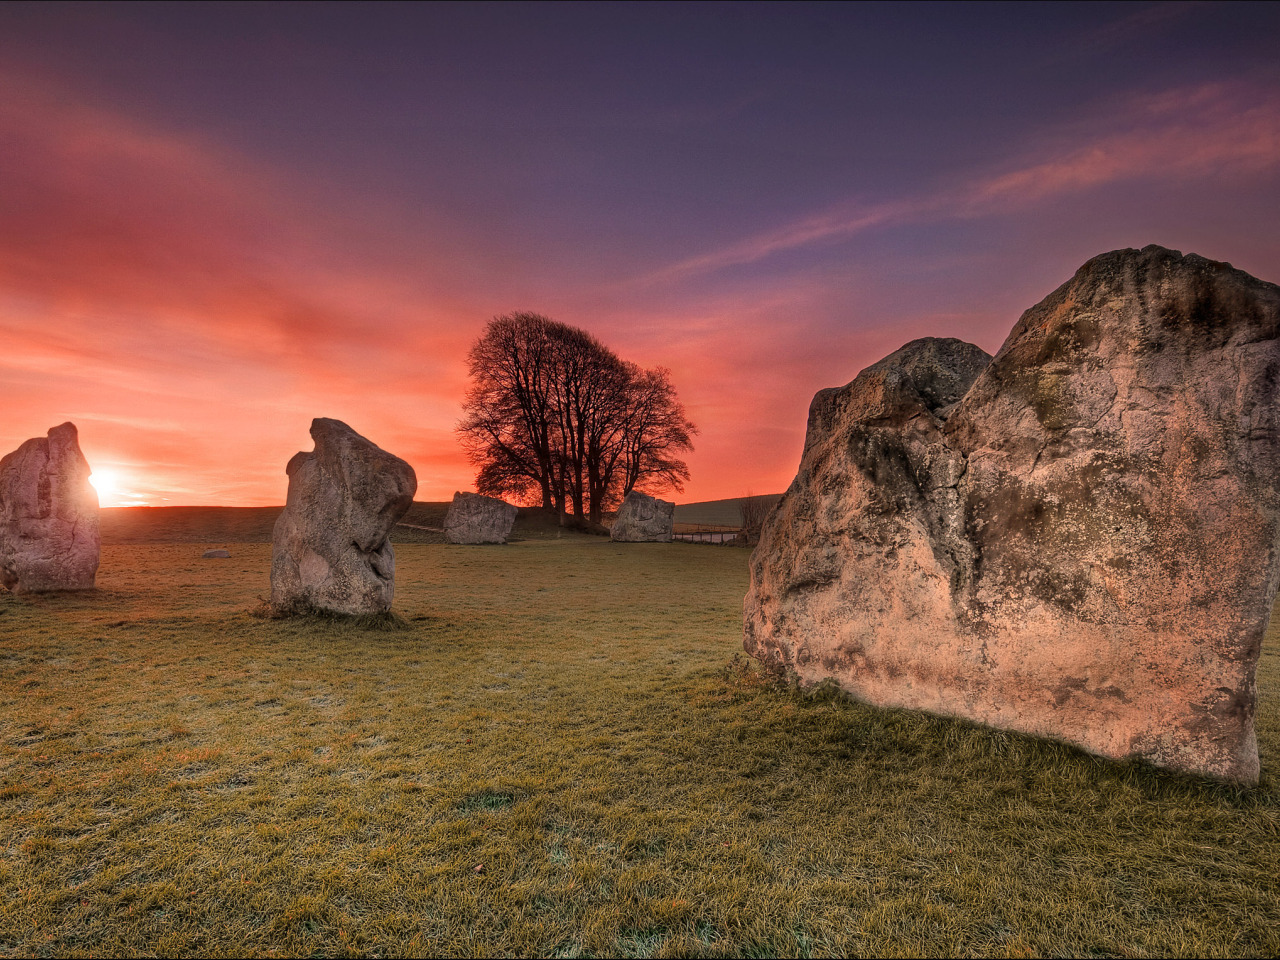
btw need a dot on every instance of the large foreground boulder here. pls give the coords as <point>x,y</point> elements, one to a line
<point>1084,546</point>
<point>643,518</point>
<point>330,548</point>
<point>49,536</point>
<point>474,518</point>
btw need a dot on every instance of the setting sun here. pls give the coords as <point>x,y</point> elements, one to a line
<point>106,482</point>
<point>116,488</point>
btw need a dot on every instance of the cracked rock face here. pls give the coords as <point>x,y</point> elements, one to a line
<point>643,518</point>
<point>474,518</point>
<point>330,548</point>
<point>48,516</point>
<point>1080,545</point>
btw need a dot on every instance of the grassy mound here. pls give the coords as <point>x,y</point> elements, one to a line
<point>223,526</point>
<point>714,513</point>
<point>215,526</point>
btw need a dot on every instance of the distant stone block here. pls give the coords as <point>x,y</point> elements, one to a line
<point>643,518</point>
<point>473,518</point>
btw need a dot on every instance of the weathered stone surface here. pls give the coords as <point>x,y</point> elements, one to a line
<point>473,518</point>
<point>329,549</point>
<point>643,518</point>
<point>216,555</point>
<point>49,536</point>
<point>1083,547</point>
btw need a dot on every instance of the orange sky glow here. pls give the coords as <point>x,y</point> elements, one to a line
<point>190,278</point>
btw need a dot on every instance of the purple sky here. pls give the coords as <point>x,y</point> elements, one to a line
<point>219,221</point>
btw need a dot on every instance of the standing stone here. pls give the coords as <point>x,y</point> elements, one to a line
<point>330,548</point>
<point>643,518</point>
<point>1082,547</point>
<point>473,518</point>
<point>48,516</point>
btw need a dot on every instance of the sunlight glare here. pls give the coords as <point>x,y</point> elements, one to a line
<point>106,482</point>
<point>115,488</point>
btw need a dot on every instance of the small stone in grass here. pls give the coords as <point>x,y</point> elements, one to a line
<point>215,555</point>
<point>478,868</point>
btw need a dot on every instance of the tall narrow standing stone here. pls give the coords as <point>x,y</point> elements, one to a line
<point>330,548</point>
<point>49,536</point>
<point>1083,547</point>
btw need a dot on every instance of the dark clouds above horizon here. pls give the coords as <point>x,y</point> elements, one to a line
<point>219,221</point>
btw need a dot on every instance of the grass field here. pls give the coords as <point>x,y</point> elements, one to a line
<point>558,753</point>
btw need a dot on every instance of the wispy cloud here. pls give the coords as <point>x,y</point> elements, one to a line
<point>1202,132</point>
<point>830,226</point>
<point>1106,37</point>
<point>1213,130</point>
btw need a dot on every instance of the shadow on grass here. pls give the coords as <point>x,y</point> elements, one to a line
<point>304,612</point>
<point>915,736</point>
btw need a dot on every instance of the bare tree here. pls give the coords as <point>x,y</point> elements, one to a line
<point>553,413</point>
<point>656,433</point>
<point>754,510</point>
<point>507,430</point>
<point>588,382</point>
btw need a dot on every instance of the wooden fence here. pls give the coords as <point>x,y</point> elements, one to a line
<point>705,533</point>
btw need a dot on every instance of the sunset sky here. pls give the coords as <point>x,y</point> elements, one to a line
<point>220,221</point>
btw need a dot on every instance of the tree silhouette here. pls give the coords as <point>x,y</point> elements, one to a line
<point>554,416</point>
